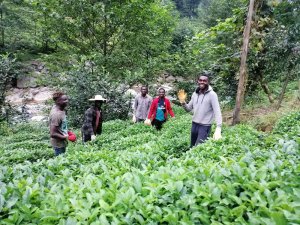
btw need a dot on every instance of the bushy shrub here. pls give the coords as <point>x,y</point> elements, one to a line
<point>85,82</point>
<point>288,125</point>
<point>6,76</point>
<point>4,129</point>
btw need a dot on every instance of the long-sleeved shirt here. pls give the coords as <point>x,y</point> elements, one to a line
<point>141,106</point>
<point>205,107</point>
<point>89,125</point>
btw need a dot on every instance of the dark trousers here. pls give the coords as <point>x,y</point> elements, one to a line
<point>86,138</point>
<point>58,151</point>
<point>199,133</point>
<point>157,124</point>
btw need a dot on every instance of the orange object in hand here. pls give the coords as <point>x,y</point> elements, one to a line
<point>71,136</point>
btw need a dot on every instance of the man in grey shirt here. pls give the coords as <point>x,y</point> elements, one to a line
<point>205,106</point>
<point>141,105</point>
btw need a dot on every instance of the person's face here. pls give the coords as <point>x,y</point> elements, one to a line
<point>98,104</point>
<point>63,101</point>
<point>161,93</point>
<point>144,91</point>
<point>203,82</point>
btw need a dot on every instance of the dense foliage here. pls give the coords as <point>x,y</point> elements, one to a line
<point>133,174</point>
<point>6,77</point>
<point>100,82</point>
<point>136,41</point>
<point>273,52</point>
<point>289,126</point>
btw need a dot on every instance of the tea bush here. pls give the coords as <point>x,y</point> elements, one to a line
<point>133,174</point>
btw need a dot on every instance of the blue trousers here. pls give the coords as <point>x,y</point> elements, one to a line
<point>199,133</point>
<point>58,151</point>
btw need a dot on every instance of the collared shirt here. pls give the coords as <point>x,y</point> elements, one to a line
<point>141,106</point>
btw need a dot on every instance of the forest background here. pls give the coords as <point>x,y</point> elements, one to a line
<point>92,46</point>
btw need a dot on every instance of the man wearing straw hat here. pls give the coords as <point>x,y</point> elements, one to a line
<point>93,119</point>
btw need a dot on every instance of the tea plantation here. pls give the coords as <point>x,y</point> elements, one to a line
<point>133,174</point>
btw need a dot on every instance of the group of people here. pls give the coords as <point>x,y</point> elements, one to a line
<point>152,111</point>
<point>204,104</point>
<point>59,134</point>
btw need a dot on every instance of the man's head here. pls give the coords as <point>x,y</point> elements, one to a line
<point>203,82</point>
<point>98,104</point>
<point>161,92</point>
<point>60,99</point>
<point>144,90</point>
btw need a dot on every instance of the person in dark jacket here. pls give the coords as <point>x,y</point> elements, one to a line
<point>159,110</point>
<point>93,119</point>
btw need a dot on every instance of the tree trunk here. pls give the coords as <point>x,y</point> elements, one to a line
<point>2,26</point>
<point>265,87</point>
<point>105,37</point>
<point>243,72</point>
<point>283,90</point>
<point>267,91</point>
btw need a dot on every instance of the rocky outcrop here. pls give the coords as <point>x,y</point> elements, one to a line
<point>29,103</point>
<point>27,100</point>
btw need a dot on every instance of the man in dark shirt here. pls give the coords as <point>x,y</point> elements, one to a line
<point>93,119</point>
<point>58,123</point>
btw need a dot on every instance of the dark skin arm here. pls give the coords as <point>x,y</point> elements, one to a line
<point>54,133</point>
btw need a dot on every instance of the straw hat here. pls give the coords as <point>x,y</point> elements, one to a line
<point>97,98</point>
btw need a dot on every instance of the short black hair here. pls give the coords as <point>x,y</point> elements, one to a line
<point>206,74</point>
<point>144,86</point>
<point>162,89</point>
<point>57,95</point>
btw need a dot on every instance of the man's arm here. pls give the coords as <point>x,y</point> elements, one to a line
<point>135,105</point>
<point>188,107</point>
<point>169,108</point>
<point>151,110</point>
<point>55,123</point>
<point>55,133</point>
<point>217,110</point>
<point>149,104</point>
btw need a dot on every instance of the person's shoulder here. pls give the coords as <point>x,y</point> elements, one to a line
<point>56,111</point>
<point>167,99</point>
<point>194,95</point>
<point>213,94</point>
<point>90,110</point>
<point>57,114</point>
<point>52,110</point>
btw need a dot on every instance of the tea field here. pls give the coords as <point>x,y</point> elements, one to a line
<point>133,174</point>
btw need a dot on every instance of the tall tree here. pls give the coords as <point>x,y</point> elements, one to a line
<point>127,36</point>
<point>243,66</point>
